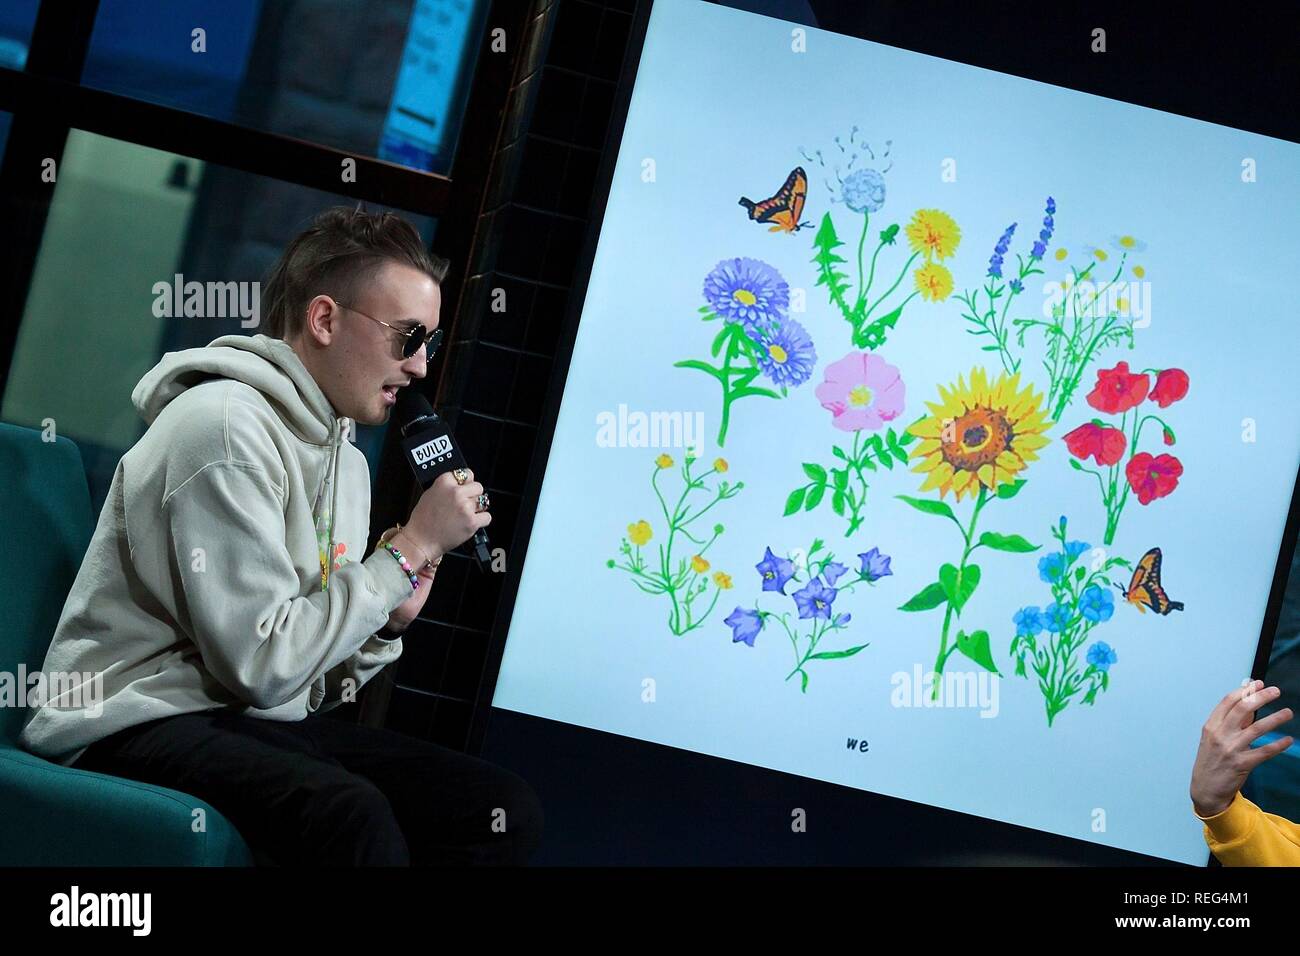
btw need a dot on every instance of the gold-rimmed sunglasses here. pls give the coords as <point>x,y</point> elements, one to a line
<point>412,339</point>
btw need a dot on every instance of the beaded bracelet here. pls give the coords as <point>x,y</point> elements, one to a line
<point>406,565</point>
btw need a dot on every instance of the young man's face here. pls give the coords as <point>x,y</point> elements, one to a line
<point>357,361</point>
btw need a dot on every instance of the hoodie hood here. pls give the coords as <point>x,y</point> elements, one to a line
<point>268,364</point>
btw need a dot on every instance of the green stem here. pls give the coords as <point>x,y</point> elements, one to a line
<point>980,501</point>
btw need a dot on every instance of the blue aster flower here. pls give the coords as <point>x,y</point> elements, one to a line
<point>1101,656</point>
<point>787,356</point>
<point>1056,617</point>
<point>1097,604</point>
<point>1051,567</point>
<point>833,572</point>
<point>775,571</point>
<point>744,624</point>
<point>1028,620</point>
<point>748,291</point>
<point>814,599</point>
<point>864,190</point>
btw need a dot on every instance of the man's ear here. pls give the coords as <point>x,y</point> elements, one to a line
<point>322,317</point>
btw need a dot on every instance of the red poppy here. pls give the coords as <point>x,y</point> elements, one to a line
<point>1171,385</point>
<point>1103,443</point>
<point>1118,390</point>
<point>1153,478</point>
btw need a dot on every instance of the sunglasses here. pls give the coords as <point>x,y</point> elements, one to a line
<point>413,340</point>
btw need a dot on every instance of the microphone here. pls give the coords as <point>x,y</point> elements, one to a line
<point>430,451</point>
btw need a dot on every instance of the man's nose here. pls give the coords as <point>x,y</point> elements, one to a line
<point>417,366</point>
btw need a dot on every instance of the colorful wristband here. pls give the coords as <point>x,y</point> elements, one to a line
<point>406,565</point>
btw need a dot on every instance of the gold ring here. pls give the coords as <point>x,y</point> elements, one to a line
<point>461,475</point>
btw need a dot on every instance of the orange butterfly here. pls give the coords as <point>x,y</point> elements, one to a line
<point>785,208</point>
<point>1145,587</point>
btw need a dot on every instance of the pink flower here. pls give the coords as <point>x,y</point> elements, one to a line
<point>860,391</point>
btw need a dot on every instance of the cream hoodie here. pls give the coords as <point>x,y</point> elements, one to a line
<point>206,583</point>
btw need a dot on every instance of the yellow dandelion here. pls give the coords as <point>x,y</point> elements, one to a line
<point>1139,271</point>
<point>934,282</point>
<point>699,564</point>
<point>639,532</point>
<point>1061,254</point>
<point>981,434</point>
<point>722,580</point>
<point>720,465</point>
<point>934,233</point>
<point>664,461</point>
<point>1100,254</point>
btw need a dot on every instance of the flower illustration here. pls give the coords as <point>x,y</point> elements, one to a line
<point>934,282</point>
<point>933,233</point>
<point>1171,385</point>
<point>1081,601</point>
<point>744,625</point>
<point>664,461</point>
<point>864,190</point>
<point>1029,620</point>
<point>1101,656</point>
<point>1118,390</point>
<point>979,436</point>
<point>787,355</point>
<point>1045,234</point>
<point>1097,604</point>
<point>814,599</point>
<point>1000,250</point>
<point>860,391</point>
<point>775,571</point>
<point>813,602</point>
<point>874,565</point>
<point>1127,244</point>
<point>720,465</point>
<point>1101,442</point>
<point>748,291</point>
<point>682,580</point>
<point>1153,478</point>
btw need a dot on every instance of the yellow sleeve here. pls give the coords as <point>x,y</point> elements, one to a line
<point>1244,835</point>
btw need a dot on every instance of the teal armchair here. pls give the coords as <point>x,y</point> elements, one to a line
<point>52,815</point>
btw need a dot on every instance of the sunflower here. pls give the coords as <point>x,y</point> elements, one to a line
<point>984,434</point>
<point>933,233</point>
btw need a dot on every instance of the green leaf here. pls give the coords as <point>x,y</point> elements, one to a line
<point>976,647</point>
<point>743,392</point>
<point>887,235</point>
<point>1007,542</point>
<point>959,586</point>
<point>795,501</point>
<point>900,453</point>
<point>719,339</point>
<point>816,472</point>
<point>840,478</point>
<point>838,452</point>
<point>816,545</point>
<point>1011,490</point>
<point>837,503</point>
<point>868,463</point>
<point>814,497</point>
<point>1080,574</point>
<point>929,507</point>
<point>1075,464</point>
<point>931,596</point>
<point>832,655</point>
<point>702,366</point>
<point>803,679</point>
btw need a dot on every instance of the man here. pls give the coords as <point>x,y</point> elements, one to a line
<point>222,599</point>
<point>1238,832</point>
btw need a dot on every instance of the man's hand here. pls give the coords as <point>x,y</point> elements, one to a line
<point>1226,758</point>
<point>406,612</point>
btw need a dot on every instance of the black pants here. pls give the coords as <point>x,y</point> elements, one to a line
<point>323,791</point>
